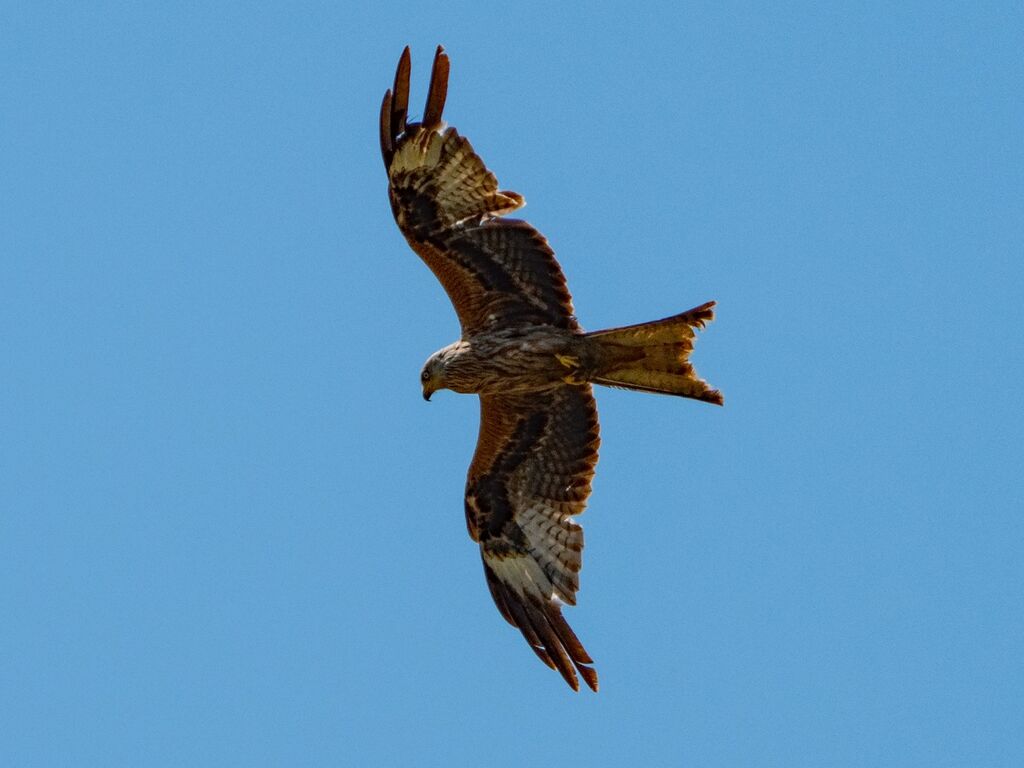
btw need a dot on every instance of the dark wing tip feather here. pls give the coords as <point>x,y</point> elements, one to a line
<point>521,620</point>
<point>589,677</point>
<point>438,90</point>
<point>400,101</point>
<point>546,632</point>
<point>395,108</point>
<point>387,147</point>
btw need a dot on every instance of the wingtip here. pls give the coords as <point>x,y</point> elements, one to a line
<point>400,93</point>
<point>589,677</point>
<point>387,147</point>
<point>438,91</point>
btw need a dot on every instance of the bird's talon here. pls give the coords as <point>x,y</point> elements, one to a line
<point>569,361</point>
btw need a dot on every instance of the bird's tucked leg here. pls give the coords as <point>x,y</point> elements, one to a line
<point>572,363</point>
<point>569,361</point>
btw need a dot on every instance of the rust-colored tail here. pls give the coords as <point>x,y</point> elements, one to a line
<point>653,357</point>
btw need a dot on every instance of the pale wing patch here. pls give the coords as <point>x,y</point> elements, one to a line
<point>444,169</point>
<point>556,544</point>
<point>522,574</point>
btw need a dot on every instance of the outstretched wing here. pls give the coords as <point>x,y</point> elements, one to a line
<point>497,272</point>
<point>530,475</point>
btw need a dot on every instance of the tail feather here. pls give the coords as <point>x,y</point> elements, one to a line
<point>654,357</point>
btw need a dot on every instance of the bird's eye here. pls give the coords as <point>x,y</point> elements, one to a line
<point>425,376</point>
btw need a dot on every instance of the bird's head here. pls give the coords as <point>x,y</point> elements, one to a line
<point>447,369</point>
<point>432,376</point>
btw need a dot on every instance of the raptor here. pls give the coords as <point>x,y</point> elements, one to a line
<point>524,354</point>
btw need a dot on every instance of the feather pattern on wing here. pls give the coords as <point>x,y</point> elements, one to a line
<point>446,202</point>
<point>530,476</point>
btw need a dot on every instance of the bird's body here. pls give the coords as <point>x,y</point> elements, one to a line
<point>532,365</point>
<point>513,359</point>
<point>506,360</point>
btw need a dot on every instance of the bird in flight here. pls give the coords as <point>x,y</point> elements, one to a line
<point>526,356</point>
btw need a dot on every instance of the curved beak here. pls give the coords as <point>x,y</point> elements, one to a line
<point>427,392</point>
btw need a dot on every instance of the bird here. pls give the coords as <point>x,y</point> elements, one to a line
<point>523,352</point>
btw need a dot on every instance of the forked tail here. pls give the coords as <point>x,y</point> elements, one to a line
<point>654,357</point>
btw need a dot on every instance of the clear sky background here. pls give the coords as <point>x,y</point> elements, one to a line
<point>232,531</point>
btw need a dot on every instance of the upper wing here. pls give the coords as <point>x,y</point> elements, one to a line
<point>496,271</point>
<point>531,472</point>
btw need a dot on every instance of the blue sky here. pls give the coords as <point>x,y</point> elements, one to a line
<point>232,531</point>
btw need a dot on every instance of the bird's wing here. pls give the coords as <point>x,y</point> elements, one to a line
<point>530,475</point>
<point>497,272</point>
